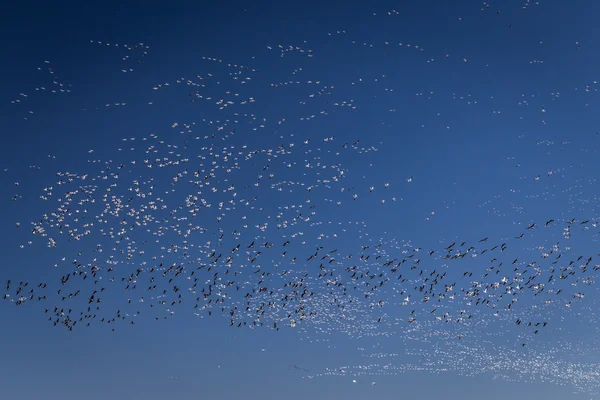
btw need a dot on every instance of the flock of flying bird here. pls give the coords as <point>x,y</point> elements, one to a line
<point>248,230</point>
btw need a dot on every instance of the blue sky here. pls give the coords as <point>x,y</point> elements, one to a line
<point>467,122</point>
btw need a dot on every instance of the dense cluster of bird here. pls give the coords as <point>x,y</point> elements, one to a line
<point>251,222</point>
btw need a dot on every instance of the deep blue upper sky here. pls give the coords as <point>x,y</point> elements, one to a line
<point>482,118</point>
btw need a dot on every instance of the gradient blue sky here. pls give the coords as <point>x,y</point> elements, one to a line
<point>479,116</point>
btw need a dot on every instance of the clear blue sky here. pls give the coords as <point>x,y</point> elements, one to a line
<point>450,122</point>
